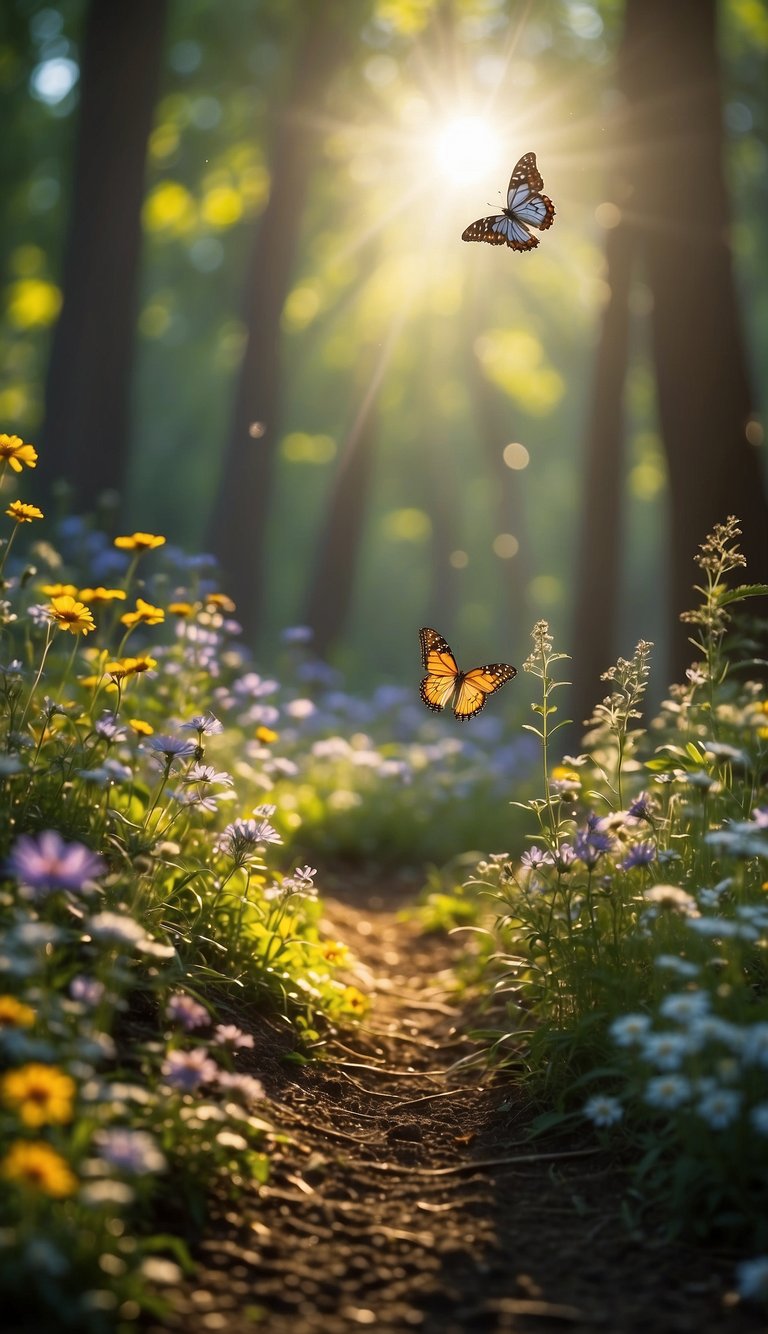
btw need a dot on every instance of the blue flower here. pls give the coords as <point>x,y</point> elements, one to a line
<point>46,863</point>
<point>642,854</point>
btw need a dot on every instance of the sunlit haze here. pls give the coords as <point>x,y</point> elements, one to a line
<point>467,149</point>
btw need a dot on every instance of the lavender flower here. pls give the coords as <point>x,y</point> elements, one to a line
<point>249,1088</point>
<point>643,807</point>
<point>187,1070</point>
<point>131,1151</point>
<point>171,747</point>
<point>242,839</point>
<point>533,859</point>
<point>109,729</point>
<point>87,990</point>
<point>205,724</point>
<point>46,863</point>
<point>186,1012</point>
<point>642,854</point>
<point>232,1036</point>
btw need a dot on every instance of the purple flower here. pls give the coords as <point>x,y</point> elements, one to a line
<point>109,729</point>
<point>242,838</point>
<point>565,856</point>
<point>205,724</point>
<point>232,1036</point>
<point>130,1151</point>
<point>171,747</point>
<point>47,863</point>
<point>643,807</point>
<point>590,844</point>
<point>249,1088</point>
<point>187,1070</point>
<point>535,858</point>
<point>642,854</point>
<point>86,989</point>
<point>760,816</point>
<point>186,1012</point>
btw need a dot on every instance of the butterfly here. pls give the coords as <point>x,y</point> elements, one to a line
<point>445,684</point>
<point>526,207</point>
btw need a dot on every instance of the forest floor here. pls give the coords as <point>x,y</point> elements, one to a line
<point>403,1198</point>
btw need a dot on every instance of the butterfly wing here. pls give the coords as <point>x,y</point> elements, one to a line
<point>500,230</point>
<point>524,197</point>
<point>441,667</point>
<point>492,230</point>
<point>477,685</point>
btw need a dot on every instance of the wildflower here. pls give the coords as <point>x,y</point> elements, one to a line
<point>108,728</point>
<point>630,1029</point>
<point>144,614</point>
<point>182,609</point>
<point>683,967</point>
<point>101,594</point>
<point>719,1107</point>
<point>23,513</point>
<point>59,590</point>
<point>296,634</point>
<point>116,929</point>
<point>71,615</point>
<point>590,844</point>
<point>220,602</point>
<point>534,858</point>
<point>187,1070</point>
<point>139,542</point>
<point>101,1193</point>
<point>205,773</point>
<point>752,1278</point>
<point>644,807</point>
<point>667,1092</point>
<point>756,1044</point>
<point>760,817</point>
<point>205,724</point>
<point>564,857</point>
<point>334,952</point>
<point>47,863</point>
<point>142,663</point>
<point>641,854</point>
<point>301,709</point>
<point>131,1151</point>
<point>665,1050</point>
<point>171,747</point>
<point>241,839</point>
<point>186,1012</point>
<point>564,781</point>
<point>14,1013</point>
<point>38,1167</point>
<point>14,451</point>
<point>603,1110</point>
<point>40,1094</point>
<point>250,1088</point>
<point>354,1000</point>
<point>265,735</point>
<point>141,727</point>
<point>673,899</point>
<point>87,990</point>
<point>685,1006</point>
<point>232,1036</point>
<point>759,1118</point>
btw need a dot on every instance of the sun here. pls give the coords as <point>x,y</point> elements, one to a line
<point>467,148</point>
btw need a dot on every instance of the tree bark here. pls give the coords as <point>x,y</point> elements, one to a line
<point>239,518</point>
<point>681,206</point>
<point>87,397</point>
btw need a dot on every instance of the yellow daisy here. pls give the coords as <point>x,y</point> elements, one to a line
<point>23,513</point>
<point>14,1013</point>
<point>141,727</point>
<point>14,451</point>
<point>58,590</point>
<point>139,542</point>
<point>41,1095</point>
<point>101,594</point>
<point>145,614</point>
<point>39,1167</point>
<point>72,615</point>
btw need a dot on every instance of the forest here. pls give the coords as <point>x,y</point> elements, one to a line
<point>321,1008</point>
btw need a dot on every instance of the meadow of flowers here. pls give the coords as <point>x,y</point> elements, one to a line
<point>632,935</point>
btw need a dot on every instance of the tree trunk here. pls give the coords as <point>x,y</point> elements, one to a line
<point>681,205</point>
<point>86,429</point>
<point>598,587</point>
<point>239,519</point>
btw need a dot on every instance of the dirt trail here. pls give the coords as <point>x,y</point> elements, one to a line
<point>405,1200</point>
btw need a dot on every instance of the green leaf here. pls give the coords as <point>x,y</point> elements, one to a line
<point>742,592</point>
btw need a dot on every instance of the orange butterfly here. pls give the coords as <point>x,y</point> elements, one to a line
<point>445,684</point>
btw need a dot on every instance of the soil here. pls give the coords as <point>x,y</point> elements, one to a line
<point>407,1198</point>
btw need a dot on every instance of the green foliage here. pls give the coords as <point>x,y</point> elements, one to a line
<point>632,934</point>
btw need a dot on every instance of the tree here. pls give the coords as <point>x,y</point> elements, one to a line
<point>239,517</point>
<point>675,225</point>
<point>87,396</point>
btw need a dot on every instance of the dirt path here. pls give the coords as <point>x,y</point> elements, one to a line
<point>404,1199</point>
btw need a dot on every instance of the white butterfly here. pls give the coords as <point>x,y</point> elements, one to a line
<point>526,207</point>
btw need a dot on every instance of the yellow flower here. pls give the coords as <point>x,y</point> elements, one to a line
<point>335,952</point>
<point>143,663</point>
<point>181,608</point>
<point>72,615</point>
<point>354,1000</point>
<point>39,1167</point>
<point>220,601</point>
<point>266,735</point>
<point>120,668</point>
<point>58,590</point>
<point>23,513</point>
<point>14,451</point>
<point>40,1094</point>
<point>145,614</point>
<point>100,594</point>
<point>139,542</point>
<point>139,726</point>
<point>14,1013</point>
